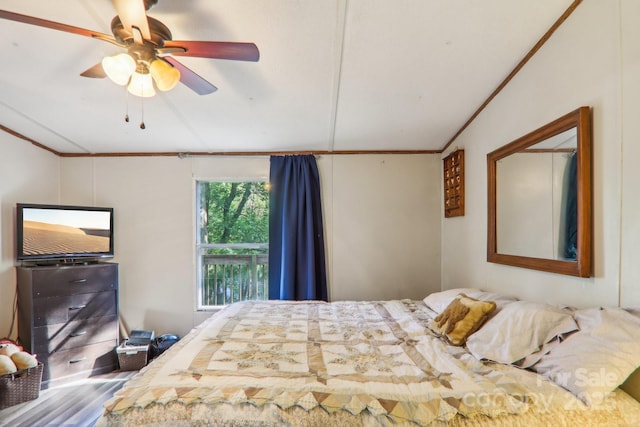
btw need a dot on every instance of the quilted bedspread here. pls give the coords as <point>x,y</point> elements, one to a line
<point>340,359</point>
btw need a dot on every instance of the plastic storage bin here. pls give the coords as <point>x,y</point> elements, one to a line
<point>132,357</point>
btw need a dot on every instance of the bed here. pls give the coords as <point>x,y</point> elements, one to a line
<point>385,363</point>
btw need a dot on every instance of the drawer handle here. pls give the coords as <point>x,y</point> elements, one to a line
<point>77,307</point>
<point>77,360</point>
<point>78,334</point>
<point>78,281</point>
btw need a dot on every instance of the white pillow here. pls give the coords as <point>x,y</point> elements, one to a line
<point>500,299</point>
<point>439,301</point>
<point>518,330</point>
<point>594,361</point>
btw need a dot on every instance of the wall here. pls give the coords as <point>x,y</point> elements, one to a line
<point>630,150</point>
<point>381,216</point>
<point>385,242</point>
<point>582,64</point>
<point>27,175</point>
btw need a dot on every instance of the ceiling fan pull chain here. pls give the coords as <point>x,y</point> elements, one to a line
<point>142,126</point>
<point>126,103</point>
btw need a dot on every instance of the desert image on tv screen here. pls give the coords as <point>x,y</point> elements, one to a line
<point>55,231</point>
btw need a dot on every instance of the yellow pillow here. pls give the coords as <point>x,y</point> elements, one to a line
<point>461,318</point>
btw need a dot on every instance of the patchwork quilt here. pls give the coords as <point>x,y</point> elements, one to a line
<point>357,363</point>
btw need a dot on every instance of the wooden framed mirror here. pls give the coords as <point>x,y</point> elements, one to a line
<point>540,201</point>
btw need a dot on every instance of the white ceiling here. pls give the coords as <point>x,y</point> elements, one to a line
<point>333,74</point>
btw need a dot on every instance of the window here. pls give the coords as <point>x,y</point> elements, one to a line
<point>232,242</point>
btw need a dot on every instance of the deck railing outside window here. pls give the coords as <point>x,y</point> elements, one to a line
<point>231,277</point>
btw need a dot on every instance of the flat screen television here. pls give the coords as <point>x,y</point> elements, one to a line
<point>49,233</point>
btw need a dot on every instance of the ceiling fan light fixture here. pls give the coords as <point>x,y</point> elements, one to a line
<point>119,68</point>
<point>164,74</point>
<point>141,85</point>
<point>147,40</point>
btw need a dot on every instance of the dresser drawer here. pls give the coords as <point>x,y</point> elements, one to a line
<point>58,281</point>
<point>64,309</point>
<point>63,336</point>
<point>81,361</point>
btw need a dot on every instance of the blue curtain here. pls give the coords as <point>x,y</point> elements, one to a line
<point>296,239</point>
<point>571,210</point>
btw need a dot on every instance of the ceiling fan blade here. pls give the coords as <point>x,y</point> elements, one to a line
<point>132,13</point>
<point>216,50</point>
<point>190,79</point>
<point>95,72</point>
<point>25,19</point>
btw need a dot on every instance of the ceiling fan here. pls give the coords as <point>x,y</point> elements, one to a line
<point>150,50</point>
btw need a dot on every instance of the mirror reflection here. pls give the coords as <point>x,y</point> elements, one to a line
<point>536,199</point>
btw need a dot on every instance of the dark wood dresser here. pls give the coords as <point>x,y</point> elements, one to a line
<point>68,317</point>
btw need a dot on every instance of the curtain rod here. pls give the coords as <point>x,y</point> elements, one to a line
<point>183,155</point>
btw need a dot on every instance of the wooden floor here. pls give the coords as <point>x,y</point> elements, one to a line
<point>77,404</point>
